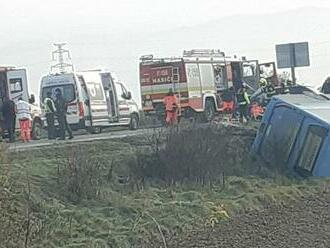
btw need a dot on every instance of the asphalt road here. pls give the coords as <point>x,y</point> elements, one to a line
<point>79,138</point>
<point>83,136</point>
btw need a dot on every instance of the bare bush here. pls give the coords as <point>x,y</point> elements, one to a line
<point>197,155</point>
<point>82,176</point>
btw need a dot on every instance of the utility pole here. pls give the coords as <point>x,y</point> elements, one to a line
<point>59,54</point>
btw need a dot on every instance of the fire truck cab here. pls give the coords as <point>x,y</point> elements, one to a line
<point>198,78</point>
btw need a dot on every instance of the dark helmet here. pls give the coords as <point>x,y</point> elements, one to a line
<point>327,80</point>
<point>58,92</point>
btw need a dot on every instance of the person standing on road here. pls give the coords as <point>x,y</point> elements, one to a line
<point>9,118</point>
<point>243,103</point>
<point>61,109</point>
<point>24,117</point>
<point>49,107</point>
<point>171,105</point>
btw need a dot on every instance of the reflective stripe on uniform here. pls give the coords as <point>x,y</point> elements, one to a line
<point>47,109</point>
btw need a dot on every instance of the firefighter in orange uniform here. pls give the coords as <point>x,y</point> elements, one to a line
<point>171,106</point>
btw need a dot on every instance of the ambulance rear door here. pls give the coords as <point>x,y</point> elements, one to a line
<point>97,99</point>
<point>110,95</point>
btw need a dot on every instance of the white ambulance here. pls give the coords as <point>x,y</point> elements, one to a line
<point>95,100</point>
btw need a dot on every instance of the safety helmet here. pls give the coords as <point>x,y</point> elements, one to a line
<point>263,82</point>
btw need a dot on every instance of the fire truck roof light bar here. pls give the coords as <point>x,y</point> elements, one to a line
<point>203,53</point>
<point>159,60</point>
<point>147,57</point>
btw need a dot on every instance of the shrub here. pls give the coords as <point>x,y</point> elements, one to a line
<point>82,176</point>
<point>199,155</point>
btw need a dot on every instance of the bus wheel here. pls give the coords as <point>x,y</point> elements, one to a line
<point>209,111</point>
<point>134,123</point>
<point>36,130</point>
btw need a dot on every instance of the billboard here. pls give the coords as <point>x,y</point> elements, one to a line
<point>292,55</point>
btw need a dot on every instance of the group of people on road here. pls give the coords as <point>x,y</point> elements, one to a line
<point>246,105</point>
<point>232,101</point>
<point>11,112</point>
<point>56,108</point>
<point>21,111</point>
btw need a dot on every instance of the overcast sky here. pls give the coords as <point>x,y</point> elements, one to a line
<point>126,13</point>
<point>115,33</point>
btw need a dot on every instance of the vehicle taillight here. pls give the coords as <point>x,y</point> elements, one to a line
<point>81,109</point>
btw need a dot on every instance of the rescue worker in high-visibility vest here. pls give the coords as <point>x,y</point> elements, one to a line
<point>270,90</point>
<point>49,107</point>
<point>23,114</point>
<point>171,107</point>
<point>243,102</point>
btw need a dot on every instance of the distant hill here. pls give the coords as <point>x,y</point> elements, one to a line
<point>97,44</point>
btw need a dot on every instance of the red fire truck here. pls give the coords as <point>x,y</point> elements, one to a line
<point>197,78</point>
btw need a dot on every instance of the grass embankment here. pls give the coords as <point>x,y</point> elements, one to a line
<point>59,209</point>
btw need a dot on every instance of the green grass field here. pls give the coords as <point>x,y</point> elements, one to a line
<point>111,213</point>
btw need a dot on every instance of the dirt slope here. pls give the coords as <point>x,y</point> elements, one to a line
<point>303,224</point>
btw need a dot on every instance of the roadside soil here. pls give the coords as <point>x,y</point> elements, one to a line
<point>304,224</point>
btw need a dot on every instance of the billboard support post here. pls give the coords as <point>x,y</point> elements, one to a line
<point>293,75</point>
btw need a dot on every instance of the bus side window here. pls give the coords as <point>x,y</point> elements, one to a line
<point>311,149</point>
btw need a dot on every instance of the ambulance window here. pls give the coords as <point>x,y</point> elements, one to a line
<point>16,85</point>
<point>119,91</point>
<point>84,87</point>
<point>67,91</point>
